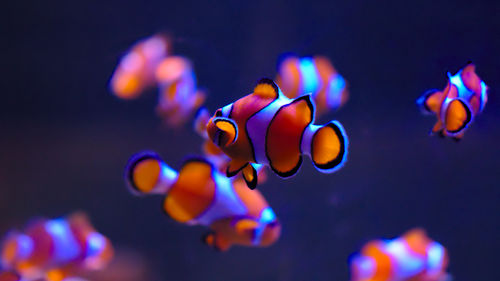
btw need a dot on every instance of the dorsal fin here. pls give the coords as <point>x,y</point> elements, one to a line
<point>266,88</point>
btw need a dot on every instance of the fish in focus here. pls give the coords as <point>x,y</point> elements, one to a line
<point>267,128</point>
<point>316,76</point>
<point>199,195</point>
<point>411,257</point>
<point>455,107</point>
<point>135,72</point>
<point>179,96</point>
<point>212,152</point>
<point>56,249</point>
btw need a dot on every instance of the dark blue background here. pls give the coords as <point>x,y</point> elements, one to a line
<point>65,138</point>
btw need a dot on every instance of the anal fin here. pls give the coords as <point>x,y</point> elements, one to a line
<point>437,127</point>
<point>458,137</point>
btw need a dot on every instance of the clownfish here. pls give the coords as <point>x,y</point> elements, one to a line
<point>463,98</point>
<point>267,128</point>
<point>136,69</point>
<point>56,249</point>
<point>315,75</point>
<point>412,257</point>
<point>213,153</point>
<point>179,96</point>
<point>199,195</point>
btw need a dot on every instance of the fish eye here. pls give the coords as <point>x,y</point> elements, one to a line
<point>218,113</point>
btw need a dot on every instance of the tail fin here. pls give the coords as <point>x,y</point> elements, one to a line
<point>457,116</point>
<point>328,146</point>
<point>430,101</point>
<point>99,251</point>
<point>147,173</point>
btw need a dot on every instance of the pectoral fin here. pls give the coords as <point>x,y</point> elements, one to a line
<point>227,131</point>
<point>437,127</point>
<point>250,176</point>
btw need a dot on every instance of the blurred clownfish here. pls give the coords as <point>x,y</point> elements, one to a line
<point>199,195</point>
<point>9,276</point>
<point>316,76</point>
<point>136,70</point>
<point>412,257</point>
<point>267,128</point>
<point>463,98</point>
<point>56,249</point>
<point>179,96</point>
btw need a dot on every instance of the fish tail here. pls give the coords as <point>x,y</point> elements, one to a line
<point>327,145</point>
<point>430,102</point>
<point>272,232</point>
<point>147,173</point>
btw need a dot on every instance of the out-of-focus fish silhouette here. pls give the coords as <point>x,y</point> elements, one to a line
<point>199,195</point>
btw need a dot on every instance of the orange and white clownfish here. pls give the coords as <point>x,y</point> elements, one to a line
<point>267,128</point>
<point>412,257</point>
<point>199,195</point>
<point>316,76</point>
<point>136,69</point>
<point>56,249</point>
<point>212,152</point>
<point>463,98</point>
<point>179,96</point>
